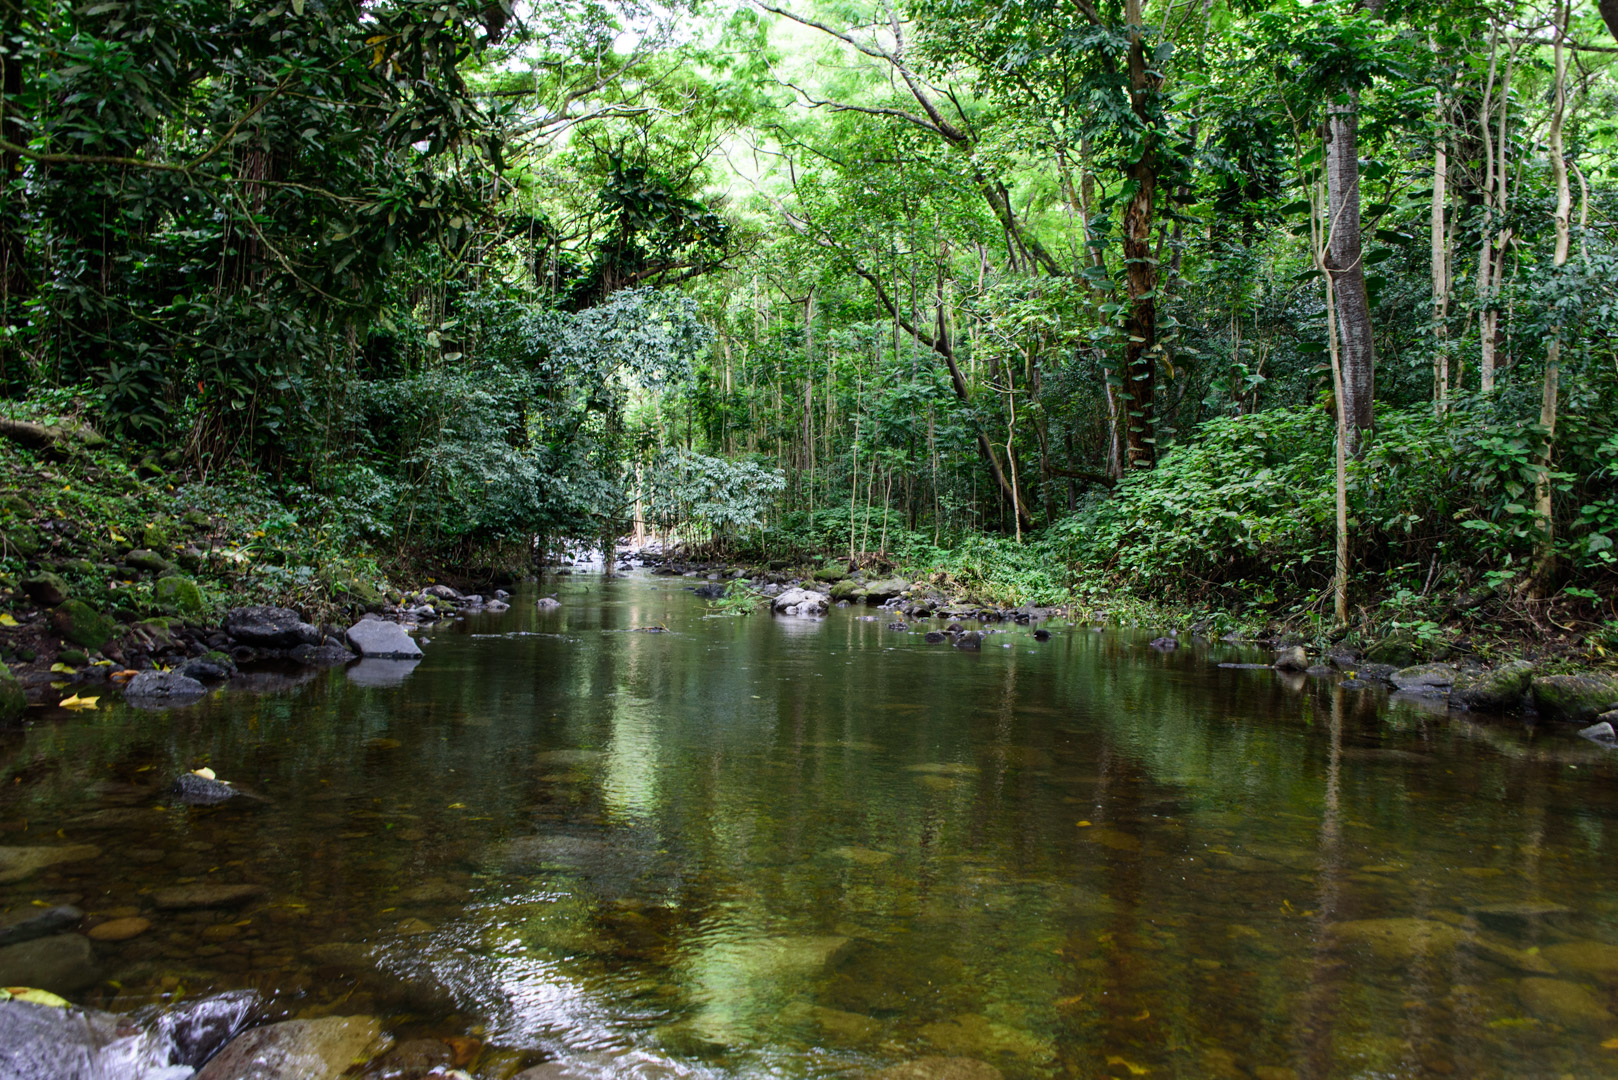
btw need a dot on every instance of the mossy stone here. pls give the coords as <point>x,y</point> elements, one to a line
<point>76,657</point>
<point>78,622</point>
<point>179,593</point>
<point>12,699</point>
<point>355,589</point>
<point>1577,699</point>
<point>1399,649</point>
<point>151,561</point>
<point>156,536</point>
<point>1497,688</point>
<point>79,567</point>
<point>21,539</point>
<point>831,573</point>
<point>45,588</point>
<point>847,590</point>
<point>195,519</point>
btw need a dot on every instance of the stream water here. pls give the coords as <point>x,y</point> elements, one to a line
<point>802,848</point>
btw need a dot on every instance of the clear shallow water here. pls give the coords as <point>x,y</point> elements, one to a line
<point>762,846</point>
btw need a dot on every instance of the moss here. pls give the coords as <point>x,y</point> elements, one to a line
<point>151,561</point>
<point>847,590</point>
<point>1578,699</point>
<point>180,594</point>
<point>45,588</point>
<point>78,622</point>
<point>21,539</point>
<point>831,573</point>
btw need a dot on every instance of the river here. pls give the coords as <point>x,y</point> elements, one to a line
<point>760,846</point>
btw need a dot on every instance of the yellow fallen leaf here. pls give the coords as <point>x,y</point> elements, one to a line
<point>1134,1070</point>
<point>62,669</point>
<point>35,996</point>
<point>118,536</point>
<point>1610,1044</point>
<point>204,772</point>
<point>457,806</point>
<point>7,620</point>
<point>1084,824</point>
<point>76,702</point>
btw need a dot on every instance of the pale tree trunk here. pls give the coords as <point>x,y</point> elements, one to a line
<point>1320,248</point>
<point>1440,266</point>
<point>1492,245</point>
<point>1345,263</point>
<point>1545,550</point>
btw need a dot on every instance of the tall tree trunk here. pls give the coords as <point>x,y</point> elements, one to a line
<point>13,275</point>
<point>1140,264</point>
<point>1544,569</point>
<point>1440,264</point>
<point>1345,263</point>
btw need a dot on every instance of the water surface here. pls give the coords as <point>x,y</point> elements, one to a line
<point>769,847</point>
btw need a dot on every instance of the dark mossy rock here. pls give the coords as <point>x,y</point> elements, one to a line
<point>878,592</point>
<point>76,657</point>
<point>45,588</point>
<point>354,589</point>
<point>179,594</point>
<point>156,535</point>
<point>1577,699</point>
<point>21,539</point>
<point>12,699</point>
<point>195,519</point>
<point>1400,648</point>
<point>1424,678</point>
<point>150,561</point>
<point>1503,687</point>
<point>77,567</point>
<point>82,624</point>
<point>847,589</point>
<point>831,573</point>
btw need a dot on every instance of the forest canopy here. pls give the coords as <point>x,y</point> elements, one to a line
<point>1278,303</point>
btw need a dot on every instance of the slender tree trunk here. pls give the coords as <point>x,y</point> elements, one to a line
<point>13,272</point>
<point>1140,265</point>
<point>1345,263</point>
<point>1545,550</point>
<point>1440,266</point>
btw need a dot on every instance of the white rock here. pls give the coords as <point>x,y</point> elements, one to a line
<point>387,640</point>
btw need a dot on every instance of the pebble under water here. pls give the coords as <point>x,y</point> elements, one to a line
<point>781,847</point>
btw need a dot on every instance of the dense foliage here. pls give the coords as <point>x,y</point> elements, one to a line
<point>1032,294</point>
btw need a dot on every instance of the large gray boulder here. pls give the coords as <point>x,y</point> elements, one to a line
<point>296,1050</point>
<point>43,1042</point>
<point>269,628</point>
<point>1502,687</point>
<point>800,602</point>
<point>379,639</point>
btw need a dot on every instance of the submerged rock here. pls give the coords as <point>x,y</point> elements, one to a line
<point>61,963</point>
<point>269,627</point>
<point>21,863</point>
<point>1563,1002</point>
<point>1596,960</point>
<point>1292,658</point>
<point>547,603</point>
<point>25,924</point>
<point>940,1068</point>
<point>296,1050</point>
<point>1398,940</point>
<point>1601,732</point>
<point>185,897</point>
<point>799,602</point>
<point>119,929</point>
<point>970,640</point>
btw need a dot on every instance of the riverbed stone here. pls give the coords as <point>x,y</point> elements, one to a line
<point>163,688</point>
<point>27,923</point>
<point>296,1050</point>
<point>82,624</point>
<point>61,963</point>
<point>1502,687</point>
<point>45,588</point>
<point>885,589</point>
<point>1576,699</point>
<point>21,863</point>
<point>940,1068</point>
<point>150,561</point>
<point>1399,648</point>
<point>1596,960</point>
<point>264,627</point>
<point>205,895</point>
<point>1397,940</point>
<point>119,929</point>
<point>1423,678</point>
<point>1563,1002</point>
<point>383,640</point>
<point>547,603</point>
